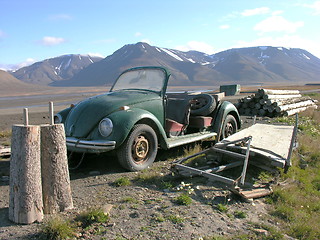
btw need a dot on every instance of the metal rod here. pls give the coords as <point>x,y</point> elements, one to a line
<point>224,167</point>
<point>233,154</point>
<point>51,113</point>
<point>293,139</point>
<point>192,156</point>
<point>245,164</point>
<point>223,144</point>
<point>205,174</point>
<point>25,117</point>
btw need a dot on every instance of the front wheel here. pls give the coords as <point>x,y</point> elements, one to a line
<point>230,126</point>
<point>140,148</point>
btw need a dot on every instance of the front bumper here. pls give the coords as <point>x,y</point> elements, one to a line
<point>94,146</point>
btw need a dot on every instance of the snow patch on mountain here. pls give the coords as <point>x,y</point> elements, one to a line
<point>305,56</point>
<point>191,60</point>
<point>172,54</point>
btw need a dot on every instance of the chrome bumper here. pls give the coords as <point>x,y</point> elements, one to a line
<point>90,146</point>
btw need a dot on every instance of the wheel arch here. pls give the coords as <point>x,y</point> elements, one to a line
<point>224,109</point>
<point>158,129</point>
<point>128,119</point>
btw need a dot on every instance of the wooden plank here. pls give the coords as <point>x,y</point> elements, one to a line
<point>278,92</point>
<point>5,152</point>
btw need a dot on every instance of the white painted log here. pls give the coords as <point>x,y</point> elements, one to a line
<point>25,201</point>
<point>297,110</point>
<point>278,92</point>
<point>294,105</point>
<point>56,188</point>
<point>5,152</point>
<point>269,96</point>
<point>281,102</point>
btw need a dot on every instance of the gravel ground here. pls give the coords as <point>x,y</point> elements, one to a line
<point>145,209</point>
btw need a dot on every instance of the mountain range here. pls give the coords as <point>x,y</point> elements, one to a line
<point>253,65</point>
<point>54,69</point>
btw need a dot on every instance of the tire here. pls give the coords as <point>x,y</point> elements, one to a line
<point>204,105</point>
<point>140,148</point>
<point>229,127</point>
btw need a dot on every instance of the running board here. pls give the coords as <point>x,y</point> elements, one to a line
<point>189,138</point>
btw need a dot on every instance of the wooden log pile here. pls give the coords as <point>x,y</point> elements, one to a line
<point>274,103</point>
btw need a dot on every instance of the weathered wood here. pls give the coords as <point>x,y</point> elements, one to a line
<point>5,152</point>
<point>255,192</point>
<point>25,201</point>
<point>281,102</point>
<point>297,110</point>
<point>55,173</point>
<point>278,92</point>
<point>266,97</point>
<point>294,105</point>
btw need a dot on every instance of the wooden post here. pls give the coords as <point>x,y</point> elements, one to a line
<point>25,201</point>
<point>51,113</point>
<point>56,188</point>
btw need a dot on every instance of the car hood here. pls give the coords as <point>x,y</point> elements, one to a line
<point>87,114</point>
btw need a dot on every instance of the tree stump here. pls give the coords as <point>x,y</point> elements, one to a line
<point>56,188</point>
<point>25,201</point>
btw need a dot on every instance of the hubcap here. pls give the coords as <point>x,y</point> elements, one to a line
<point>140,149</point>
<point>200,102</point>
<point>229,129</point>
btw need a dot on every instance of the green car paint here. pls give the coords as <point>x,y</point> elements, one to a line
<point>138,97</point>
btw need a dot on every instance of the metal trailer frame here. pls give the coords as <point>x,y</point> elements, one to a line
<point>210,173</point>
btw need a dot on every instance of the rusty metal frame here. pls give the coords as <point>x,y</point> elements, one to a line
<point>210,173</point>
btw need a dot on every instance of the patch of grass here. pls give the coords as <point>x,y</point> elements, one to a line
<point>240,214</point>
<point>297,204</point>
<point>216,238</point>
<point>122,181</point>
<point>265,176</point>
<point>160,219</point>
<point>167,184</point>
<point>93,215</point>
<point>183,199</point>
<point>130,200</point>
<point>148,177</point>
<point>5,134</point>
<point>175,219</point>
<point>222,207</point>
<point>57,228</point>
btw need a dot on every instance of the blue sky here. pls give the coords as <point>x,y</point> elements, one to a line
<point>34,30</point>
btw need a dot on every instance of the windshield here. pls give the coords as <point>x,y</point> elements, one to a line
<point>151,79</point>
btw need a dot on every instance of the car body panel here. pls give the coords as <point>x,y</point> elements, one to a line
<point>224,109</point>
<point>87,114</point>
<point>128,107</point>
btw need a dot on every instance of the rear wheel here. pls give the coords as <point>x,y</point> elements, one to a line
<point>229,127</point>
<point>140,148</point>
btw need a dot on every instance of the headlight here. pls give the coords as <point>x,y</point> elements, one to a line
<point>57,118</point>
<point>105,127</point>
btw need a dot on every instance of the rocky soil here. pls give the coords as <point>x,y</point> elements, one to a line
<point>147,208</point>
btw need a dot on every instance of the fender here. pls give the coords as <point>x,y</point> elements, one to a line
<point>225,109</point>
<point>126,119</point>
<point>62,115</point>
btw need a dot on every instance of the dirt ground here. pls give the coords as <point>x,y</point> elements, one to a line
<point>144,209</point>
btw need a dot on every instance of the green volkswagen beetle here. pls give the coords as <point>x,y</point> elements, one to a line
<point>137,116</point>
